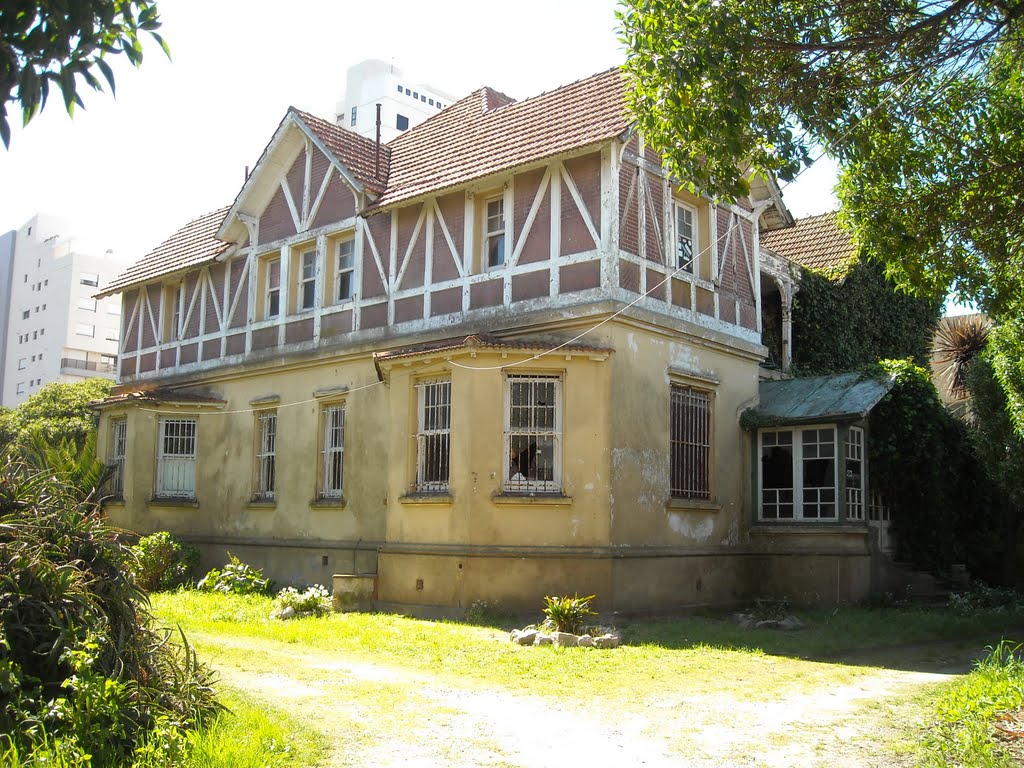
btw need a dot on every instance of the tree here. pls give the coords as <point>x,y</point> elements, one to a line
<point>56,412</point>
<point>920,101</point>
<point>54,42</point>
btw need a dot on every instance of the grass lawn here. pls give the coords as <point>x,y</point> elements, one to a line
<point>704,659</point>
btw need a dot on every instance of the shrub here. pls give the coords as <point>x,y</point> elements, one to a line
<point>82,672</point>
<point>162,562</point>
<point>314,601</point>
<point>568,614</point>
<point>235,578</point>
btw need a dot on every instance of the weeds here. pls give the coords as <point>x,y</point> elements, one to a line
<point>236,578</point>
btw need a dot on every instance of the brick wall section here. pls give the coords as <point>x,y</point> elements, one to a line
<point>317,170</point>
<point>192,328</point>
<point>264,338</point>
<point>189,353</point>
<point>409,308</point>
<point>150,306</point>
<point>380,230</point>
<point>235,344</point>
<point>375,316</point>
<point>445,302</point>
<point>211,349</point>
<point>531,285</point>
<point>444,264</point>
<point>487,294</point>
<point>238,318</point>
<point>655,219</point>
<point>538,240</point>
<point>336,324</point>
<point>681,293</point>
<point>147,362</point>
<point>586,174</point>
<point>407,218</point>
<point>128,301</point>
<point>629,223</point>
<point>301,330</point>
<point>294,179</point>
<point>217,280</point>
<point>276,221</point>
<point>579,277</point>
<point>339,203</point>
<point>574,235</point>
<point>629,276</point>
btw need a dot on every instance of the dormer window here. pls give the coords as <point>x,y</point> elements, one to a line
<point>345,270</point>
<point>272,281</point>
<point>307,281</point>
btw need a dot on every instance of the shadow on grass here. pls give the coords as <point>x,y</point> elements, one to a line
<point>908,638</point>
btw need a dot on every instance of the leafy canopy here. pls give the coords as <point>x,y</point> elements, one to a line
<point>54,42</point>
<point>919,100</point>
<point>56,412</point>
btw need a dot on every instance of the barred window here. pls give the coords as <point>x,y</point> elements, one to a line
<point>118,445</point>
<point>533,433</point>
<point>690,440</point>
<point>433,437</point>
<point>333,420</point>
<point>176,458</point>
<point>266,454</point>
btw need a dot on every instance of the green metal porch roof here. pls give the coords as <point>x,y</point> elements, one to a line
<point>841,397</point>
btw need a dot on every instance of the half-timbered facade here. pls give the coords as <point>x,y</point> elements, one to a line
<point>500,356</point>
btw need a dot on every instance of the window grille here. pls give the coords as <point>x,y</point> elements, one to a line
<point>333,451</point>
<point>119,444</point>
<point>690,438</point>
<point>345,270</point>
<point>307,282</point>
<point>533,433</point>
<point>495,237</point>
<point>855,473</point>
<point>266,454</point>
<point>176,458</point>
<point>433,438</point>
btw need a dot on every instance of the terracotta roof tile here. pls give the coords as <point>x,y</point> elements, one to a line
<point>487,132</point>
<point>815,242</point>
<point>156,395</point>
<point>355,152</point>
<point>190,246</point>
<point>485,341</point>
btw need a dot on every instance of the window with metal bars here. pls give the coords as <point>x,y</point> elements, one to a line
<point>176,458</point>
<point>333,455</point>
<point>690,439</point>
<point>533,434</point>
<point>118,446</point>
<point>433,437</point>
<point>266,454</point>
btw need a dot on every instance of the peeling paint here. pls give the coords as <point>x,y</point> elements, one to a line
<point>684,524</point>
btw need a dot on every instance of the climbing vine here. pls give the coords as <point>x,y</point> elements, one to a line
<point>842,322</point>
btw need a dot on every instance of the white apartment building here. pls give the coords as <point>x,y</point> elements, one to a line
<point>404,102</point>
<point>52,327</point>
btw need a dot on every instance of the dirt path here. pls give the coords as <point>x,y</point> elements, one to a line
<point>376,715</point>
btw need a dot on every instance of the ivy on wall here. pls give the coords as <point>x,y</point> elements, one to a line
<point>925,462</point>
<point>848,320</point>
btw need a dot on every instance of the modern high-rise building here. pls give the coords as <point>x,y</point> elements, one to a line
<point>404,102</point>
<point>51,327</point>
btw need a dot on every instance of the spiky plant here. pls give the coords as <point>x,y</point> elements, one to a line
<point>958,341</point>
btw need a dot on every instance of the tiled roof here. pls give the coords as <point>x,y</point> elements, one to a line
<point>190,246</point>
<point>815,242</point>
<point>487,132</point>
<point>355,152</point>
<point>485,341</point>
<point>140,395</point>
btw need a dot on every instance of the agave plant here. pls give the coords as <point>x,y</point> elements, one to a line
<point>958,341</point>
<point>568,614</point>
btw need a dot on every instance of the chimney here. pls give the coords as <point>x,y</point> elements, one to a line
<point>376,158</point>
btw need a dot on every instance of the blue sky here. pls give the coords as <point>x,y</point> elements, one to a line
<point>175,142</point>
